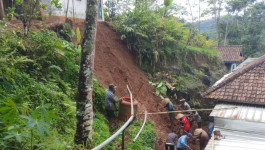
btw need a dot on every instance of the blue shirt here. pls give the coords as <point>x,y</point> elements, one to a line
<point>170,106</point>
<point>182,142</point>
<point>211,127</point>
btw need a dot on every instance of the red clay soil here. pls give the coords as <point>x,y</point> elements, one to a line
<point>115,64</point>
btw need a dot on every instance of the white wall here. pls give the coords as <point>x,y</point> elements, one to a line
<point>79,8</point>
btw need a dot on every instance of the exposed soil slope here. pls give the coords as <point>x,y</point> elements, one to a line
<point>115,64</point>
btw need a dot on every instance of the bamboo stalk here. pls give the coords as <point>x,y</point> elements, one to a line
<point>191,110</point>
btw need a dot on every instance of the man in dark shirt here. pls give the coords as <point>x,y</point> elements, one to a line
<point>110,101</point>
<point>171,140</point>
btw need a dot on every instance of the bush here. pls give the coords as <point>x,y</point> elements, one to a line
<point>145,140</point>
<point>38,84</point>
<point>98,97</point>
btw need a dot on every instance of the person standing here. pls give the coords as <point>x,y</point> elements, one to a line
<point>185,105</point>
<point>202,136</point>
<point>211,127</point>
<point>183,142</point>
<point>171,140</point>
<point>184,122</point>
<point>110,101</point>
<point>168,104</point>
<point>197,118</point>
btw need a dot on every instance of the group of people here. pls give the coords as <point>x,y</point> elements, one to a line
<point>184,120</point>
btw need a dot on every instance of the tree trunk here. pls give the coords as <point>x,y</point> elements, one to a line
<point>199,16</point>
<point>190,11</point>
<point>218,13</point>
<point>84,103</point>
<point>2,10</point>
<point>38,7</point>
<point>73,3</point>
<point>67,7</point>
<point>226,32</point>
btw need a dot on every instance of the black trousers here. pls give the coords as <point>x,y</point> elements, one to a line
<point>181,148</point>
<point>110,114</point>
<point>169,147</point>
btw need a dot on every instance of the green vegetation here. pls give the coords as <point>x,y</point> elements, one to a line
<point>209,52</point>
<point>169,50</point>
<point>38,85</point>
<point>243,25</point>
<point>102,129</point>
<point>157,39</point>
<point>145,140</point>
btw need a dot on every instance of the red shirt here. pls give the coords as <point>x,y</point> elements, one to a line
<point>186,123</point>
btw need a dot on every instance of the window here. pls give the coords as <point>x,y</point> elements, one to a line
<point>233,67</point>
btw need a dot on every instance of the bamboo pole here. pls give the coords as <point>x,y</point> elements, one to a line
<point>191,110</point>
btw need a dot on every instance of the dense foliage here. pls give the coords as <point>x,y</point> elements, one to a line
<point>246,29</point>
<point>102,128</point>
<point>38,87</point>
<point>156,39</point>
<point>242,25</point>
<point>168,49</point>
<point>37,90</point>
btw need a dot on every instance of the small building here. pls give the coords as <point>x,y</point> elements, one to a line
<point>75,10</point>
<point>232,55</point>
<point>243,127</point>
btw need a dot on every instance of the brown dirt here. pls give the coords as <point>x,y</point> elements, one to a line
<point>115,64</point>
<point>38,25</point>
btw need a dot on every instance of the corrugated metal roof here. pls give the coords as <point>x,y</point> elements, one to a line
<point>235,140</point>
<point>242,112</point>
<point>244,63</point>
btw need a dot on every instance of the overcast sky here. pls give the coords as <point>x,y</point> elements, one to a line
<point>187,15</point>
<point>195,8</point>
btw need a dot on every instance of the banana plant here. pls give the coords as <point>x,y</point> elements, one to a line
<point>160,88</point>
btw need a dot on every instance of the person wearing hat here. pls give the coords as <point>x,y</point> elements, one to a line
<point>202,136</point>
<point>171,140</point>
<point>168,104</point>
<point>183,142</point>
<point>110,101</point>
<point>184,122</point>
<point>184,104</point>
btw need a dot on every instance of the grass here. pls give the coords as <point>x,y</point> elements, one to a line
<point>203,50</point>
<point>102,129</point>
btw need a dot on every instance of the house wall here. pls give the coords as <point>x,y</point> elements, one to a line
<point>76,9</point>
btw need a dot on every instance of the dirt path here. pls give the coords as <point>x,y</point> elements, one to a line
<point>115,64</point>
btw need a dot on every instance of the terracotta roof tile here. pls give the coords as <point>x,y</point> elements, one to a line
<point>245,85</point>
<point>231,53</point>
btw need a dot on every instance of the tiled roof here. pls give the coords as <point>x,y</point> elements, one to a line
<point>231,53</point>
<point>245,85</point>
